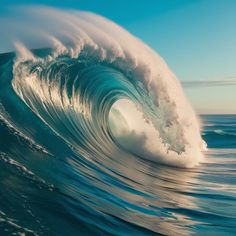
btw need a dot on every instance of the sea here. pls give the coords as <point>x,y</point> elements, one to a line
<point>41,194</point>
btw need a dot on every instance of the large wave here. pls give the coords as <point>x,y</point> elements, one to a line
<point>102,90</point>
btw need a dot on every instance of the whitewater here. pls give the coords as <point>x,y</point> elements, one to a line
<point>97,135</point>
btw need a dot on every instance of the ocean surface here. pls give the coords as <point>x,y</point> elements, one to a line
<point>45,194</point>
<point>98,138</point>
<point>47,187</point>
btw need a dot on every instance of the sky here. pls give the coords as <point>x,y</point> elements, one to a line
<point>197,39</point>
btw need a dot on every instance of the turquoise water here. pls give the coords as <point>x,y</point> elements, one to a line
<point>50,187</point>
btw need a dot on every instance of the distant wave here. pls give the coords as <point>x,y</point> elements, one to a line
<point>220,138</point>
<point>219,132</point>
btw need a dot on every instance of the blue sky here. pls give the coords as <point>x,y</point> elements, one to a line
<point>197,38</point>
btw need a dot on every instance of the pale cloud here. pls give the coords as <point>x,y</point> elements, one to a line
<point>229,81</point>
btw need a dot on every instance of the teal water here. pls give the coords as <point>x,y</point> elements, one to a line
<point>48,187</point>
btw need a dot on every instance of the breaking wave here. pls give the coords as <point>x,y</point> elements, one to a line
<point>104,91</point>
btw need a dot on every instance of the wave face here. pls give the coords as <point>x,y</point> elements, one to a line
<point>82,111</point>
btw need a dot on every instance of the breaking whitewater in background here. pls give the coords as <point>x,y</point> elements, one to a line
<point>97,137</point>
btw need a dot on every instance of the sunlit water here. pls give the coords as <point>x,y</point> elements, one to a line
<point>57,194</point>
